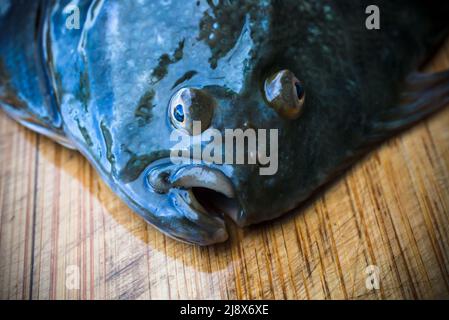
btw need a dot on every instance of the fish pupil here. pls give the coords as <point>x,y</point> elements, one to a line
<point>178,113</point>
<point>299,90</point>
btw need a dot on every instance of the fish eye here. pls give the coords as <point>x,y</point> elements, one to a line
<point>285,94</point>
<point>191,106</point>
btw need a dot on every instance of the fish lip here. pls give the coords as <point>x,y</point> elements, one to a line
<point>187,175</point>
<point>201,176</point>
<point>212,179</point>
<point>180,181</point>
<point>212,224</point>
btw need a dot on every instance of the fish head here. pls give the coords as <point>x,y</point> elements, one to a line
<point>222,66</point>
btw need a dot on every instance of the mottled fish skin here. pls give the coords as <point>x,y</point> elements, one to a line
<point>104,89</point>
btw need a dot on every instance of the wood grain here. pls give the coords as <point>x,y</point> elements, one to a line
<point>391,210</point>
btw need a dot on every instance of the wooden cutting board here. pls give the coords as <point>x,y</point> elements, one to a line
<point>385,225</point>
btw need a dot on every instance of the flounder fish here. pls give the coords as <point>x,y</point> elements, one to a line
<point>115,79</point>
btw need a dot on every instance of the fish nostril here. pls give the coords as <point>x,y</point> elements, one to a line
<point>158,181</point>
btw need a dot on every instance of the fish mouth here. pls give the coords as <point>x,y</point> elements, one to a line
<point>202,195</point>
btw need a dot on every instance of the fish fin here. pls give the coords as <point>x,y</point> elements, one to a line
<point>26,91</point>
<point>35,125</point>
<point>424,94</point>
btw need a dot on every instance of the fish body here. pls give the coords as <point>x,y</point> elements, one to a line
<point>117,87</point>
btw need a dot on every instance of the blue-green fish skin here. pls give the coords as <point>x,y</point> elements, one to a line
<point>104,89</point>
